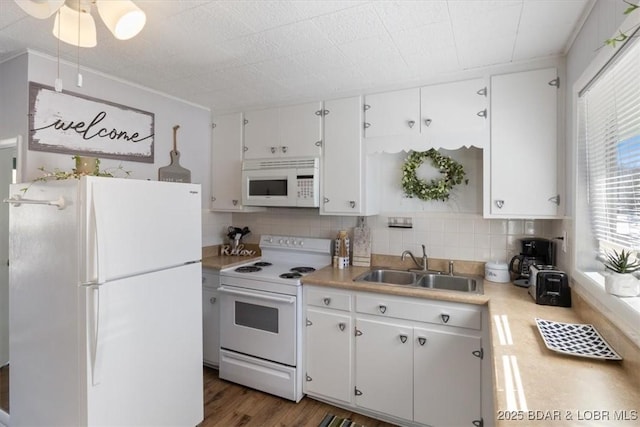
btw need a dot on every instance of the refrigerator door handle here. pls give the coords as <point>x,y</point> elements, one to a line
<point>100,248</point>
<point>95,321</point>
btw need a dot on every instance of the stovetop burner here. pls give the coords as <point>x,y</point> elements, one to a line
<point>262,264</point>
<point>290,275</point>
<point>247,269</point>
<point>303,269</point>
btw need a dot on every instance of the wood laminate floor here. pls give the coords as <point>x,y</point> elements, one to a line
<point>228,404</point>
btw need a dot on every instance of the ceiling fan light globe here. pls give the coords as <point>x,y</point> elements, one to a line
<point>123,18</point>
<point>66,26</point>
<point>41,9</point>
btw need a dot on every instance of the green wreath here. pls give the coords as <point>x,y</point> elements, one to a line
<point>452,174</point>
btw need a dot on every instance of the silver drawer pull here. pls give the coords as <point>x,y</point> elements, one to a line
<point>213,300</point>
<point>342,326</point>
<point>382,308</point>
<point>422,340</point>
<point>445,318</point>
<point>403,338</point>
<point>326,301</point>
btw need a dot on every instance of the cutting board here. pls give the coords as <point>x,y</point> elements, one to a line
<point>174,172</point>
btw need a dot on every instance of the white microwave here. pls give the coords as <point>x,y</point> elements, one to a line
<point>281,182</point>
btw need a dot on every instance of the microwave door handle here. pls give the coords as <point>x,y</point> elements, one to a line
<point>286,300</point>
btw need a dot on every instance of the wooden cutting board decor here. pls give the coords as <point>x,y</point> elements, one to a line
<point>174,172</point>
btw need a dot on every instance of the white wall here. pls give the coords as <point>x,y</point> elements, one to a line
<point>194,135</point>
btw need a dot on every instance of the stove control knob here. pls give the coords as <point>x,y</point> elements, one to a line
<point>287,242</point>
<point>281,241</point>
<point>270,240</point>
<point>294,242</point>
<point>301,242</point>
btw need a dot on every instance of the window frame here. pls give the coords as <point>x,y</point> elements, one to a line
<point>622,312</point>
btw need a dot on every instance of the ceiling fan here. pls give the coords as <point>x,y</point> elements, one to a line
<point>75,25</point>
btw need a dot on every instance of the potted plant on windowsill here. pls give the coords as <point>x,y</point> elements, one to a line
<point>619,279</point>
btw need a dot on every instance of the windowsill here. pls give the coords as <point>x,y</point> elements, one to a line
<point>622,312</point>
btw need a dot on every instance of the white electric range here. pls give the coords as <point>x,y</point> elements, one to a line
<point>261,314</point>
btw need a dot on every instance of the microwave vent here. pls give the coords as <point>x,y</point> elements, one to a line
<point>265,164</point>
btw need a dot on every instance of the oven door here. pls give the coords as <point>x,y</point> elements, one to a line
<point>260,324</point>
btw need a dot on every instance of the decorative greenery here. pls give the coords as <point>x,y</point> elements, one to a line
<point>58,174</point>
<point>622,36</point>
<point>621,262</point>
<point>452,174</point>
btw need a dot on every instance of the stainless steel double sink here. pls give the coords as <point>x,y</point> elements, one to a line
<point>420,279</point>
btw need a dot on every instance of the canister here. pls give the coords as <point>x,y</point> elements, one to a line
<point>497,272</point>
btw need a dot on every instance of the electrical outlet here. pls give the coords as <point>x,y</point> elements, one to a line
<point>564,241</point>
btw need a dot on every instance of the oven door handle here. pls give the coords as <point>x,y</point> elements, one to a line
<point>287,300</point>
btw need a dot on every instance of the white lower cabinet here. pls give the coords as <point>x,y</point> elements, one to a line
<point>210,318</point>
<point>405,360</point>
<point>447,368</point>
<point>384,367</point>
<point>329,348</point>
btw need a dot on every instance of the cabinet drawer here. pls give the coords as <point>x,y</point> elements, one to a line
<point>440,312</point>
<point>329,298</point>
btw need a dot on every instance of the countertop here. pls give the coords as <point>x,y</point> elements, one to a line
<point>533,386</point>
<point>218,262</point>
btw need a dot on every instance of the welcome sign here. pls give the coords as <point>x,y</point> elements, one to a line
<point>66,122</point>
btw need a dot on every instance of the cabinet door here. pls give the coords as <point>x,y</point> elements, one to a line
<point>392,113</point>
<point>301,130</point>
<point>210,319</point>
<point>261,135</point>
<point>226,163</point>
<point>328,352</point>
<point>446,371</point>
<point>455,114</point>
<point>384,367</point>
<point>342,179</point>
<point>523,164</point>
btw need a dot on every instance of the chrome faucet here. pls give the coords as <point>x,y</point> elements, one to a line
<point>425,259</point>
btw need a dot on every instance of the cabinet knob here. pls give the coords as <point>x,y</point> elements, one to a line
<point>245,121</point>
<point>235,202</point>
<point>307,377</point>
<point>367,125</point>
<point>213,199</point>
<point>411,123</point>
<point>245,149</point>
<point>422,340</point>
<point>325,200</point>
<point>357,392</point>
<point>482,92</point>
<point>284,149</point>
<point>555,82</point>
<point>358,332</point>
<point>482,113</point>
<point>427,122</point>
<point>326,301</point>
<point>342,326</point>
<point>445,318</point>
<point>213,300</point>
<point>273,150</point>
<point>318,143</point>
<point>403,338</point>
<point>366,107</point>
<point>382,308</point>
<point>499,203</point>
<point>352,203</point>
<point>308,322</point>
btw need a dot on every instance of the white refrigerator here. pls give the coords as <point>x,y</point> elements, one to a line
<point>106,303</point>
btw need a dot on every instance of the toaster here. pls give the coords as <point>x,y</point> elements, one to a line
<point>549,286</point>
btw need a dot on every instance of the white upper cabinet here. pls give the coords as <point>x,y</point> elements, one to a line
<point>348,176</point>
<point>226,163</point>
<point>293,131</point>
<point>392,113</point>
<point>521,168</point>
<point>455,114</point>
<point>448,115</point>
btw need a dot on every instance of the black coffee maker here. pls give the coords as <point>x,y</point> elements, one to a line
<point>534,251</point>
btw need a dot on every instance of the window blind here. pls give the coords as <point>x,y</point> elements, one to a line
<point>609,130</point>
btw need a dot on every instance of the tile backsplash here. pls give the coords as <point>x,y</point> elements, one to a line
<point>458,236</point>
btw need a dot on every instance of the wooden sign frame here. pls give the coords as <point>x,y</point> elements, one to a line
<point>67,122</point>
